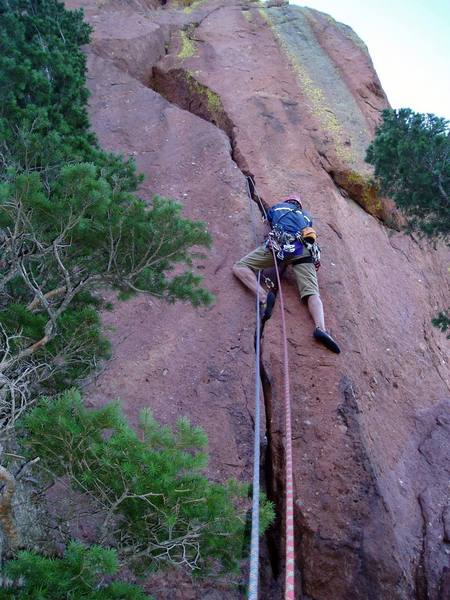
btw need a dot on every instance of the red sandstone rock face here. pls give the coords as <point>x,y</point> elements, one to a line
<point>287,95</point>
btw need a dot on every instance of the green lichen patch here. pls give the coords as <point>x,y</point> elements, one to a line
<point>247,14</point>
<point>213,101</point>
<point>264,15</point>
<point>326,96</point>
<point>190,5</point>
<point>319,106</point>
<point>183,88</point>
<point>188,46</point>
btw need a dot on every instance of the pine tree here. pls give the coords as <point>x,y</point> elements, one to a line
<point>70,223</point>
<point>150,495</point>
<point>411,153</point>
<point>81,574</point>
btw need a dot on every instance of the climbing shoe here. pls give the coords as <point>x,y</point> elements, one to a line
<point>267,307</point>
<point>325,338</point>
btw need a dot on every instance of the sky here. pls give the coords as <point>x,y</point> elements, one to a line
<point>409,42</point>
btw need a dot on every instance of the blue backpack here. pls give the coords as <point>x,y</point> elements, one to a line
<point>287,222</point>
<point>288,217</point>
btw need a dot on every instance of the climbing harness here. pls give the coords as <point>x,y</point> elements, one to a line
<point>286,245</point>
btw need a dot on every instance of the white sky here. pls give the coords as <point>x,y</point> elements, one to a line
<point>409,42</point>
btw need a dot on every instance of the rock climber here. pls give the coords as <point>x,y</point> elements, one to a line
<point>294,242</point>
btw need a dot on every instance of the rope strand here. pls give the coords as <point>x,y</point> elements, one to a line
<point>254,543</point>
<point>254,540</point>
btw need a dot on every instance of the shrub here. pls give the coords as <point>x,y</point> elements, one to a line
<point>442,321</point>
<point>59,247</point>
<point>79,575</point>
<point>156,505</point>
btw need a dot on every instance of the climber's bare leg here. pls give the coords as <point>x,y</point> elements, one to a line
<point>248,278</point>
<point>315,308</point>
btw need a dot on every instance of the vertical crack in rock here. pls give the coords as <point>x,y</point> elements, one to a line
<point>183,90</point>
<point>273,534</point>
<point>421,575</point>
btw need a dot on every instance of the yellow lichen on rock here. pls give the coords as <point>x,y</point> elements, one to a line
<point>188,46</point>
<point>190,5</point>
<point>213,101</point>
<point>264,15</point>
<point>364,191</point>
<point>317,102</point>
<point>320,108</point>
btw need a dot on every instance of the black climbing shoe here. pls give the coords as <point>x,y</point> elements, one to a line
<point>267,307</point>
<point>325,338</point>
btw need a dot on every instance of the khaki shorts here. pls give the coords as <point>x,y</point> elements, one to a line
<point>305,274</point>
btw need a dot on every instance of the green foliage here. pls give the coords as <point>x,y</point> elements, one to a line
<point>69,222</point>
<point>72,353</point>
<point>154,497</point>
<point>410,153</point>
<point>102,235</point>
<point>442,321</point>
<point>43,69</point>
<point>79,575</point>
<point>79,235</point>
<point>43,97</point>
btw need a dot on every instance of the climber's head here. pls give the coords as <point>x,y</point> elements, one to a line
<point>293,199</point>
